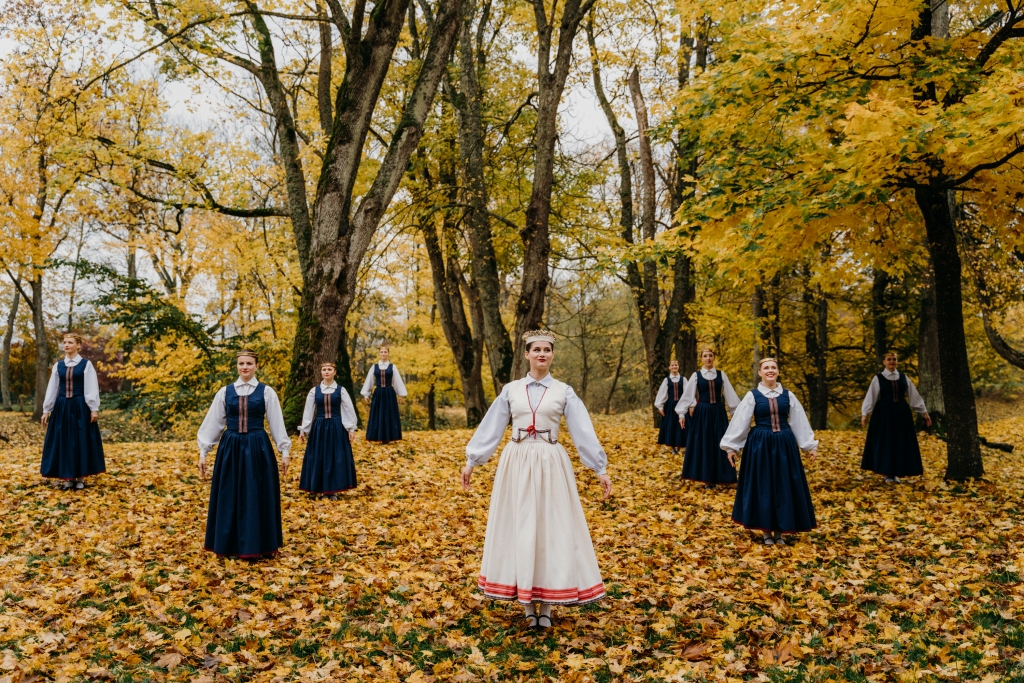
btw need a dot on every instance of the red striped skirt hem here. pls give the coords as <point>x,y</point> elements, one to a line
<point>554,596</point>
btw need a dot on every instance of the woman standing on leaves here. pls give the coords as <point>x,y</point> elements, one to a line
<point>707,393</point>
<point>772,494</point>
<point>891,447</point>
<point>673,387</point>
<point>72,449</point>
<point>329,419</point>
<point>244,517</point>
<point>385,421</point>
<point>537,547</point>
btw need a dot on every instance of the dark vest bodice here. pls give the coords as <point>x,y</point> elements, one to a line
<point>72,379</point>
<point>328,406</point>
<point>892,390</point>
<point>772,413</point>
<point>246,413</point>
<point>710,391</point>
<point>675,391</point>
<point>382,378</point>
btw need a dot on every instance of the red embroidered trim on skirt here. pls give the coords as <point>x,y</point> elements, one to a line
<point>500,590</point>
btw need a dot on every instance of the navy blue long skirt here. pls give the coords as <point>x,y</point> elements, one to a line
<point>671,434</point>
<point>891,447</point>
<point>772,492</point>
<point>328,465</point>
<point>705,461</point>
<point>385,422</point>
<point>72,447</point>
<point>244,518</point>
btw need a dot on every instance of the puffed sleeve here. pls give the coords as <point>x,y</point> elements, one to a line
<point>916,401</point>
<point>367,385</point>
<point>50,398</point>
<point>275,421</point>
<point>213,424</point>
<point>800,425</point>
<point>396,377</point>
<point>662,398</point>
<point>490,430</point>
<point>309,412</point>
<point>736,435</point>
<point>581,429</point>
<point>731,398</point>
<point>92,387</point>
<point>869,399</point>
<point>348,411</point>
<point>689,396</point>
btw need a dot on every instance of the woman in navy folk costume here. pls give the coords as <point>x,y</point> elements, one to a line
<point>244,517</point>
<point>772,494</point>
<point>385,384</point>
<point>891,448</point>
<point>72,449</point>
<point>672,432</point>
<point>537,548</point>
<point>707,394</point>
<point>329,419</point>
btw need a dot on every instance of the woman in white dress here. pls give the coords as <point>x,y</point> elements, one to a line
<point>537,547</point>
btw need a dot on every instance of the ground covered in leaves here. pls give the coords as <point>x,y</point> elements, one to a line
<point>921,581</point>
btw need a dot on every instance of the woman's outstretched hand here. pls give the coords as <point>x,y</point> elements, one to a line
<point>467,475</point>
<point>606,484</point>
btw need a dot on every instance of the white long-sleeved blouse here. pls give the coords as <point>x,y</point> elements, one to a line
<point>662,397</point>
<point>396,378</point>
<point>916,402</point>
<point>690,395</point>
<point>216,419</point>
<point>348,411</point>
<point>492,428</point>
<point>736,435</point>
<point>91,388</point>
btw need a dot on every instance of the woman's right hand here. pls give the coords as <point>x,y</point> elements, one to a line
<point>367,400</point>
<point>44,419</point>
<point>606,484</point>
<point>662,411</point>
<point>691,411</point>
<point>467,476</point>
<point>863,421</point>
<point>202,467</point>
<point>302,437</point>
<point>732,458</point>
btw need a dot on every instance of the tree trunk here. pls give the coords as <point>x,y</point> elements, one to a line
<point>469,104</point>
<point>928,365</point>
<point>42,345</point>
<point>618,366</point>
<point>961,419</point>
<point>763,336</point>
<point>879,315</point>
<point>816,343</point>
<point>5,360</point>
<point>535,234</point>
<point>340,238</point>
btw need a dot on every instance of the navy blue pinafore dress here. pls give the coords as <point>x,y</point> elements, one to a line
<point>671,434</point>
<point>772,492</point>
<point>244,518</point>
<point>705,461</point>
<point>385,422</point>
<point>72,448</point>
<point>891,447</point>
<point>327,466</point>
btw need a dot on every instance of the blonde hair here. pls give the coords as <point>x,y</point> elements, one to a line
<point>704,350</point>
<point>890,353</point>
<point>327,362</point>
<point>74,335</point>
<point>767,360</point>
<point>249,353</point>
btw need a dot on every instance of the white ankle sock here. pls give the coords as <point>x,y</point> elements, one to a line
<point>545,610</point>
<point>529,610</point>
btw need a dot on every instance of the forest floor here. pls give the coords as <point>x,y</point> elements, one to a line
<point>920,581</point>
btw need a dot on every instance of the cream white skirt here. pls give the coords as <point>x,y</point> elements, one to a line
<point>538,547</point>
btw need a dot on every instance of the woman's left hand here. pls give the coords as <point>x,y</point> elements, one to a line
<point>285,461</point>
<point>812,454</point>
<point>96,416</point>
<point>606,484</point>
<point>401,400</point>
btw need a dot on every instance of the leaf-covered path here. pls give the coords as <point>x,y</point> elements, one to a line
<point>920,581</point>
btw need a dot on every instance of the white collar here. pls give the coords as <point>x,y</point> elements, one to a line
<point>674,375</point>
<point>895,374</point>
<point>72,359</point>
<point>704,372</point>
<point>546,382</point>
<point>325,385</point>
<point>384,363</point>
<point>770,392</point>
<point>252,383</point>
